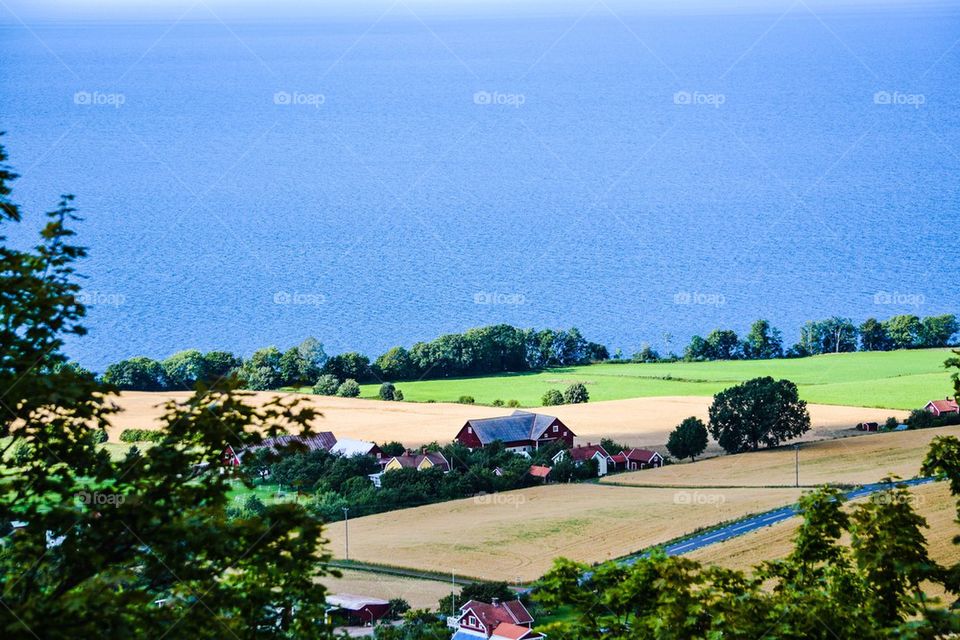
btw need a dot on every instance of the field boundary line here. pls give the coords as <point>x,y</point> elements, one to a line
<point>403,572</point>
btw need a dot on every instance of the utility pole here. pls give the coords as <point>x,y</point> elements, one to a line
<point>346,531</point>
<point>796,453</point>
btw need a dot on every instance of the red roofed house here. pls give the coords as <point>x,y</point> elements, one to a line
<point>582,454</point>
<point>539,471</point>
<point>497,621</point>
<point>940,407</point>
<point>520,432</point>
<point>636,459</point>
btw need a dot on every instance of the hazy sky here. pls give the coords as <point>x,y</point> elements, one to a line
<point>12,11</point>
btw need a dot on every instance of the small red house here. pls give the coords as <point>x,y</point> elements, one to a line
<point>497,621</point>
<point>582,454</point>
<point>636,459</point>
<point>940,407</point>
<point>868,426</point>
<point>540,472</point>
<point>520,432</point>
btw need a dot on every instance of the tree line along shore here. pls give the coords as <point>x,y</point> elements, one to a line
<point>503,348</point>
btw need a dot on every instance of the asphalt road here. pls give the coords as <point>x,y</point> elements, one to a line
<point>766,519</point>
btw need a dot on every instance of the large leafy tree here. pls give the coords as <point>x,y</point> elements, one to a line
<point>395,364</point>
<point>833,335</point>
<point>90,545</point>
<point>937,331</point>
<point>762,411</point>
<point>763,342</point>
<point>184,369</point>
<point>349,365</point>
<point>904,331</point>
<point>136,374</point>
<point>219,364</point>
<point>873,336</point>
<point>724,345</point>
<point>262,370</point>
<point>689,439</point>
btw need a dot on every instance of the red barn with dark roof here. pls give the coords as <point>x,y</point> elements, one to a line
<point>521,432</point>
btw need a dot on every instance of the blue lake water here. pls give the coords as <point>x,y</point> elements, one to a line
<point>376,179</point>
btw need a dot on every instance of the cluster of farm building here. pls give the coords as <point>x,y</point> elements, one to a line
<point>521,433</point>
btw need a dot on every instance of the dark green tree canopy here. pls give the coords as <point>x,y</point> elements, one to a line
<point>552,398</point>
<point>576,393</point>
<point>762,411</point>
<point>689,439</point>
<point>763,342</point>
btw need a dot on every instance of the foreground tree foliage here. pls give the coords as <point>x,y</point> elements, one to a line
<point>822,589</point>
<point>140,546</point>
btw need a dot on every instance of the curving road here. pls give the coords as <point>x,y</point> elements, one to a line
<point>761,520</point>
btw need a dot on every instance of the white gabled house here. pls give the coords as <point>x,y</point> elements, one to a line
<point>496,621</point>
<point>581,454</point>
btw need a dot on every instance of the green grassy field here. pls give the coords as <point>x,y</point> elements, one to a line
<point>893,380</point>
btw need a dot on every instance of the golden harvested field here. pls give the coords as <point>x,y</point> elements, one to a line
<point>932,501</point>
<point>421,594</point>
<point>637,421</point>
<point>864,459</point>
<point>516,535</point>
